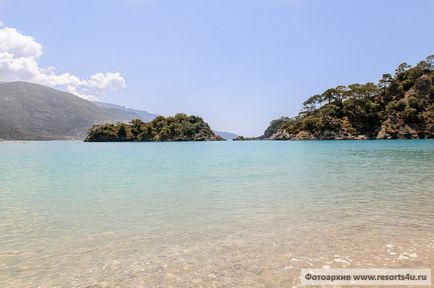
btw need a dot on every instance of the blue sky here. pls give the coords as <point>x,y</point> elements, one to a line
<point>237,63</point>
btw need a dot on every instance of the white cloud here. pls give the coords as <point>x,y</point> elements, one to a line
<point>18,44</point>
<point>19,61</point>
<point>107,80</point>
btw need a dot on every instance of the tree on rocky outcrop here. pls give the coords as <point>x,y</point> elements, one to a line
<point>385,81</point>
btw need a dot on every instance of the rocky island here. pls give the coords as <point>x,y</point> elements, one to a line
<point>180,127</point>
<point>400,106</point>
<point>242,138</point>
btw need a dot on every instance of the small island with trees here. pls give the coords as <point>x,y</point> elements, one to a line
<point>180,127</point>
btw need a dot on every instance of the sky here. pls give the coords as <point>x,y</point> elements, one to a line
<point>237,63</point>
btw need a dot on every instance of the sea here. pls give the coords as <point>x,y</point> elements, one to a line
<point>211,214</point>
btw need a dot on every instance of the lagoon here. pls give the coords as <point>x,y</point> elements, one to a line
<point>218,214</point>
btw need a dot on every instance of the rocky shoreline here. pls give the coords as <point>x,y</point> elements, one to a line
<point>386,132</point>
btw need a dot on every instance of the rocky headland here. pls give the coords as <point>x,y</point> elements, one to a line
<point>399,106</point>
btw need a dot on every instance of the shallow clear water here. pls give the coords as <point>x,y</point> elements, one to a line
<point>217,214</point>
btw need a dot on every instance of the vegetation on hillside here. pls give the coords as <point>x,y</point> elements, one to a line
<point>275,126</point>
<point>399,106</point>
<point>30,111</point>
<point>180,127</point>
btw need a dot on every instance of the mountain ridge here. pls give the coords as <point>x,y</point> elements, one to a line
<point>30,111</point>
<point>226,135</point>
<point>144,115</point>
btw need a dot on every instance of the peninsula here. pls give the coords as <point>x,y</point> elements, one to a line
<point>400,106</point>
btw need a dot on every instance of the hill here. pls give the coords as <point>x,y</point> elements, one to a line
<point>398,107</point>
<point>8,131</point>
<point>144,115</point>
<point>177,128</point>
<point>226,135</point>
<point>32,111</point>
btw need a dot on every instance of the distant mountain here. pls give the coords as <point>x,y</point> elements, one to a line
<point>144,115</point>
<point>32,111</point>
<point>8,131</point>
<point>226,135</point>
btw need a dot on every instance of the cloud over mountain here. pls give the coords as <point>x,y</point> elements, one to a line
<point>19,56</point>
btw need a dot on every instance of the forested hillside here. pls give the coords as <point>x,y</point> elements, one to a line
<point>398,106</point>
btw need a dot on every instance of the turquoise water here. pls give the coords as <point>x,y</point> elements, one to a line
<point>76,214</point>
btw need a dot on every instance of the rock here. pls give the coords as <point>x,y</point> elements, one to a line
<point>242,138</point>
<point>383,134</point>
<point>304,135</point>
<point>362,137</point>
<point>328,135</point>
<point>395,128</point>
<point>280,135</point>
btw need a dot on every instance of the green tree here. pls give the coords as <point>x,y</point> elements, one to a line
<point>340,93</point>
<point>122,132</point>
<point>402,68</point>
<point>385,81</point>
<point>354,91</point>
<point>136,126</point>
<point>329,95</point>
<point>369,89</point>
<point>311,103</point>
<point>275,125</point>
<point>430,61</point>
